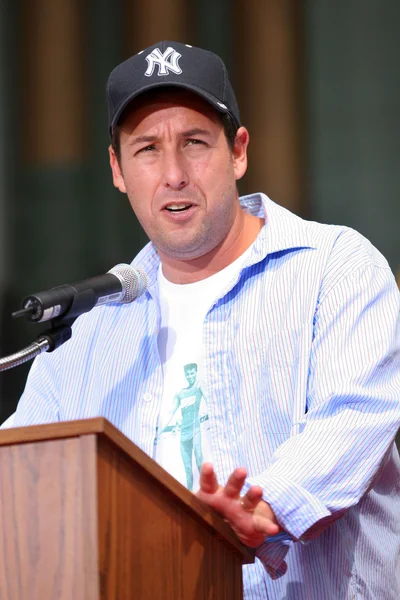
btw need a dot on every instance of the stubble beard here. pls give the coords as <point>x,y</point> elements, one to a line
<point>183,245</point>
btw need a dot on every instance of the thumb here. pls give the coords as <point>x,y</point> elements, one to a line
<point>265,525</point>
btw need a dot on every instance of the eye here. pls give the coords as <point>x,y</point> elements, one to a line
<point>147,148</point>
<point>195,142</point>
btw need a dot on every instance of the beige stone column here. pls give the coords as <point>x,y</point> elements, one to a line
<point>52,97</point>
<point>270,88</point>
<point>150,21</point>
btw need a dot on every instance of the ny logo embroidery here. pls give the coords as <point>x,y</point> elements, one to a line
<point>166,62</point>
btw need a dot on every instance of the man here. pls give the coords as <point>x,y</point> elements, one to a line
<point>295,325</point>
<point>188,400</point>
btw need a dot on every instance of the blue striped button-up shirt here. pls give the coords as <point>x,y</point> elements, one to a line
<point>302,373</point>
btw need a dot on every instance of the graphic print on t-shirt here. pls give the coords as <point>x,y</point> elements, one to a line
<point>186,419</point>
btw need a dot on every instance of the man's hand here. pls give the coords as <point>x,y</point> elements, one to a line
<point>250,517</point>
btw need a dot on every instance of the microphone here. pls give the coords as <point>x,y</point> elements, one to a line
<point>122,283</point>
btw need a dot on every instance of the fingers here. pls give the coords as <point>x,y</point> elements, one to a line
<point>235,483</point>
<point>208,479</point>
<point>252,498</point>
<point>251,518</point>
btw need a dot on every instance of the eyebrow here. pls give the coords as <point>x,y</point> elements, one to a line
<point>149,139</point>
<point>195,131</point>
<point>143,139</point>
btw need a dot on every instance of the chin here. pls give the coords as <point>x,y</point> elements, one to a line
<point>182,254</point>
<point>183,251</point>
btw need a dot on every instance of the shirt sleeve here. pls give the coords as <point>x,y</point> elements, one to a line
<point>39,402</point>
<point>46,398</point>
<point>353,408</point>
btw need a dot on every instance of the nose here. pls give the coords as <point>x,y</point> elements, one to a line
<point>175,175</point>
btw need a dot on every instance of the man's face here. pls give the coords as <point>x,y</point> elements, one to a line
<point>179,173</point>
<point>191,375</point>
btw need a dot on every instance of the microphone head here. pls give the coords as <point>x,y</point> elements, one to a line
<point>134,281</point>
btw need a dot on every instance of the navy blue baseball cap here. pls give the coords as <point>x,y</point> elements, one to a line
<point>171,64</point>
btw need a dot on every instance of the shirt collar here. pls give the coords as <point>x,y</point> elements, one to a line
<point>283,230</point>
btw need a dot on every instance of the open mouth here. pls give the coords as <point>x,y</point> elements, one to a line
<point>175,208</point>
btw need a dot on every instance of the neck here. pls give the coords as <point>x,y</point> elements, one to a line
<point>189,271</point>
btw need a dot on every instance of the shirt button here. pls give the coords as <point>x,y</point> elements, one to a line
<point>147,397</point>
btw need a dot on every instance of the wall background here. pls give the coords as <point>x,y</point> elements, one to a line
<point>354,123</point>
<point>318,87</point>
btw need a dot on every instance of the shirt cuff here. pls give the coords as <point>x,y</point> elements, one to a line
<point>272,554</point>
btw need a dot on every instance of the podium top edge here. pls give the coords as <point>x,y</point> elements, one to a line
<point>51,431</point>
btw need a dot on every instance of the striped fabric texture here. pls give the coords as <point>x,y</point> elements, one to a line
<point>302,377</point>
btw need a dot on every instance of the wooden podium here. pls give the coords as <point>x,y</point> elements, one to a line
<point>85,514</point>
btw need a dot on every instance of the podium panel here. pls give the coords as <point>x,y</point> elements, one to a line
<point>85,514</point>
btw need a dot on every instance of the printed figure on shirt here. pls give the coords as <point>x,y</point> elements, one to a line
<point>188,400</point>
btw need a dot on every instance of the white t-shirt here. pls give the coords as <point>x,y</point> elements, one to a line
<point>182,442</point>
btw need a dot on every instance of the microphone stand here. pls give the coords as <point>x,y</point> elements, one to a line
<point>53,338</point>
<point>48,340</point>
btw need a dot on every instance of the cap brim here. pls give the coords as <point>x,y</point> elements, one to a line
<point>217,104</point>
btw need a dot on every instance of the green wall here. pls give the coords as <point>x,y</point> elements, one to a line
<point>353,50</point>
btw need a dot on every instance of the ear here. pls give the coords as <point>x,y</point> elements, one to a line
<point>240,152</point>
<point>118,179</point>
